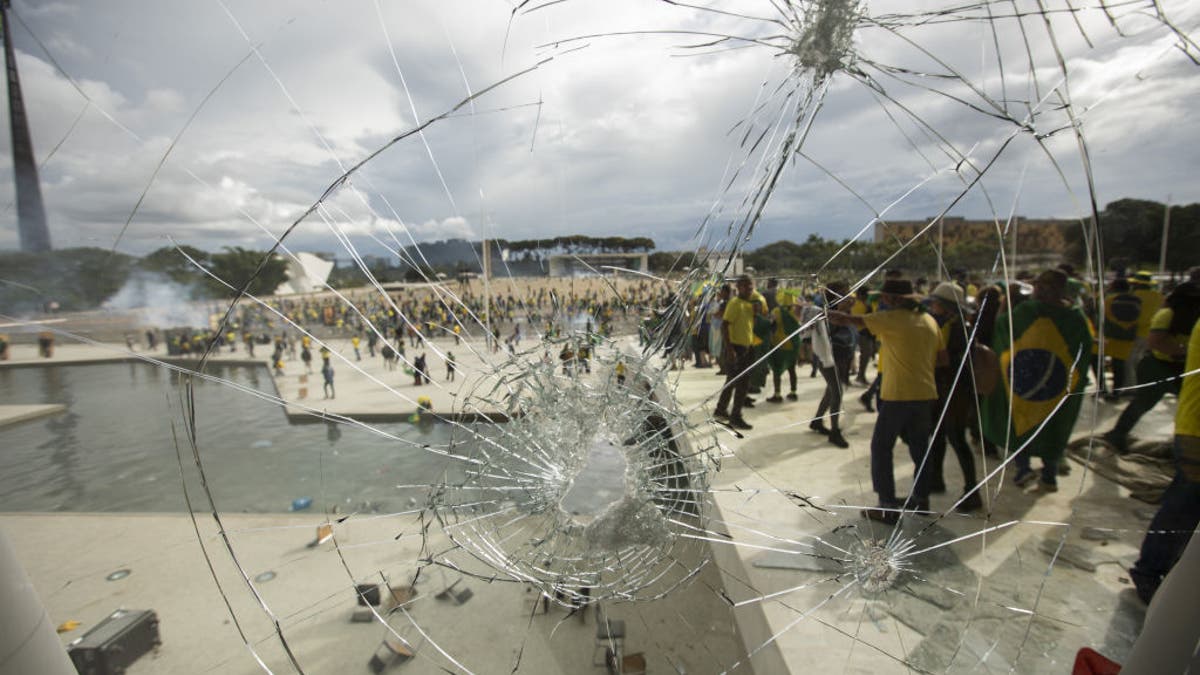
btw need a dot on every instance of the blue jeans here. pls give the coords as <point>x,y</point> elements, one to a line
<point>1170,531</point>
<point>910,421</point>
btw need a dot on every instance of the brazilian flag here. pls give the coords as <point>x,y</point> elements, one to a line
<point>1045,362</point>
<point>1121,312</point>
<point>784,355</point>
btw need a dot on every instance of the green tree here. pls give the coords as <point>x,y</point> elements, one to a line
<point>173,263</point>
<point>237,266</point>
<point>665,262</point>
<point>75,278</point>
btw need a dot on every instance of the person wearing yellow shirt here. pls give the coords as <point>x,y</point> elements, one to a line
<point>1159,369</point>
<point>1179,514</point>
<point>737,332</point>
<point>1142,285</point>
<point>910,342</point>
<point>875,300</point>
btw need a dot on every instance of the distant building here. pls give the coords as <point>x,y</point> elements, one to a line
<point>591,264</point>
<point>1029,241</point>
<point>306,273</point>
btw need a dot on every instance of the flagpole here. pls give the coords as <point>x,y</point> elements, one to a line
<point>486,268</point>
<point>1162,257</point>
<point>941,243</point>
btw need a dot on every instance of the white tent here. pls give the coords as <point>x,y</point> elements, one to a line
<point>306,273</point>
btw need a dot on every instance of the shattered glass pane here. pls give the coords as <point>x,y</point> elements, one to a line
<point>513,469</point>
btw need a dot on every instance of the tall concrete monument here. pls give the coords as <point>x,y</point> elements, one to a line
<point>31,214</point>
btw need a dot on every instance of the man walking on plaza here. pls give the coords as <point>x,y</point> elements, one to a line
<point>1177,517</point>
<point>737,332</point>
<point>909,343</point>
<point>327,375</point>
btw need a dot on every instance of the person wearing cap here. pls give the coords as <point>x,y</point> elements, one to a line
<point>909,340</point>
<point>1158,371</point>
<point>1044,345</point>
<point>956,396</point>
<point>737,331</point>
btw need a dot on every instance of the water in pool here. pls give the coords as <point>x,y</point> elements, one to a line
<point>113,449</point>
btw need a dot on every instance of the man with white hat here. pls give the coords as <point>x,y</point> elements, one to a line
<point>956,395</point>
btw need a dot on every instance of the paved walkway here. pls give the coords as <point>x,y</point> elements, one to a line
<point>784,496</point>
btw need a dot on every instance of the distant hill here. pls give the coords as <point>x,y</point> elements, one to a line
<point>448,253</point>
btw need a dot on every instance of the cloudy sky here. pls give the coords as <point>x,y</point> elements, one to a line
<point>233,118</point>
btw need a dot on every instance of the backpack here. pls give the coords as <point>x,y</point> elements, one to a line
<point>985,366</point>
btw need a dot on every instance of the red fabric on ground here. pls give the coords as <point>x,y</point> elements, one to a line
<point>1091,662</point>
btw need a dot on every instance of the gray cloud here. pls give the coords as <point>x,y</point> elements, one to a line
<point>629,135</point>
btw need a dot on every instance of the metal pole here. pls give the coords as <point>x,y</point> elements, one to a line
<point>1016,221</point>
<point>1162,257</point>
<point>487,290</point>
<point>941,243</point>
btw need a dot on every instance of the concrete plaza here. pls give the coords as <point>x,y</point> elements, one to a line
<point>1022,584</point>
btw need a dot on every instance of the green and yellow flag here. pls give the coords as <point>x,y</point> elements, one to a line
<point>1044,363</point>
<point>1121,313</point>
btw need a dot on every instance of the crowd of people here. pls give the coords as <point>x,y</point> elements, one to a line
<point>401,320</point>
<point>1006,362</point>
<point>434,311</point>
<point>1003,363</point>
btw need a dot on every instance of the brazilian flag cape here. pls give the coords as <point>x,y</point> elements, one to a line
<point>1121,312</point>
<point>785,355</point>
<point>1046,360</point>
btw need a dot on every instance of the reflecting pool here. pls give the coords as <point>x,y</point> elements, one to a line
<point>115,449</point>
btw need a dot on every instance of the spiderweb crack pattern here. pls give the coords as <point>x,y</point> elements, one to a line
<point>623,495</point>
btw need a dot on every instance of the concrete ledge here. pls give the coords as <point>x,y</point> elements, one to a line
<point>305,417</point>
<point>15,414</point>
